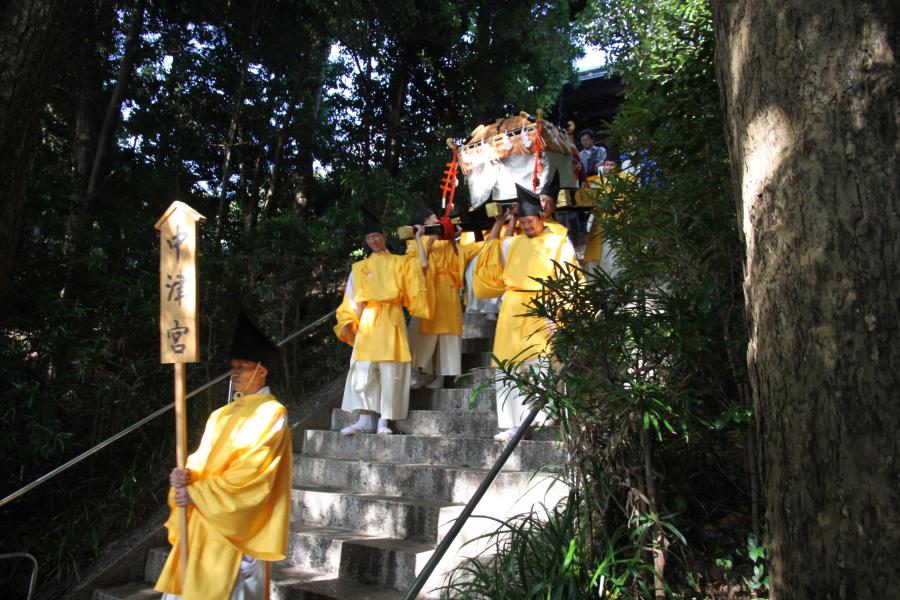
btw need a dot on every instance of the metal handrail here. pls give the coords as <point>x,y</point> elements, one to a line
<point>87,453</point>
<point>460,521</point>
<point>34,570</point>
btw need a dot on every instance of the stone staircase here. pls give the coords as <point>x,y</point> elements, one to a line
<point>369,510</point>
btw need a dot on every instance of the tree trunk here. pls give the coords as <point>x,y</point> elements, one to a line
<point>251,205</point>
<point>812,107</point>
<point>483,89</point>
<point>293,99</point>
<point>229,143</point>
<point>32,37</point>
<point>110,121</point>
<point>309,125</point>
<point>398,89</point>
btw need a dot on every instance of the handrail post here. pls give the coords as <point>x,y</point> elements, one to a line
<point>34,570</point>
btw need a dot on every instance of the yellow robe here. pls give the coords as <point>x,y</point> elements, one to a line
<point>593,248</point>
<point>383,284</point>
<point>519,337</point>
<point>445,275</point>
<point>556,227</point>
<point>241,489</point>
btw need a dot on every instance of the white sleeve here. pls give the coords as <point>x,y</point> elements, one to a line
<point>350,293</point>
<point>504,248</point>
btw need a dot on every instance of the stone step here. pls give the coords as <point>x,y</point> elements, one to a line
<point>156,560</point>
<point>481,378</point>
<point>472,360</point>
<point>320,551</point>
<point>452,399</point>
<point>389,516</point>
<point>422,449</point>
<point>427,482</point>
<point>289,583</point>
<point>138,590</point>
<point>476,326</point>
<point>369,559</point>
<point>477,344</point>
<point>470,423</point>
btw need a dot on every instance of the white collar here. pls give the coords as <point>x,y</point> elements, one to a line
<point>263,390</point>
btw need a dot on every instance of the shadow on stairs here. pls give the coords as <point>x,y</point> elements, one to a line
<point>369,510</point>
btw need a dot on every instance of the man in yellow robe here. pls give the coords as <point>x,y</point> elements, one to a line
<point>236,487</point>
<point>507,267</point>
<point>487,307</point>
<point>598,255</point>
<point>370,318</point>
<point>549,194</point>
<point>436,343</point>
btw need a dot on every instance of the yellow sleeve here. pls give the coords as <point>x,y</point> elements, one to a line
<point>417,292</point>
<point>455,264</point>
<point>347,313</point>
<point>488,279</point>
<point>472,250</point>
<point>461,262</point>
<point>566,253</point>
<point>246,502</point>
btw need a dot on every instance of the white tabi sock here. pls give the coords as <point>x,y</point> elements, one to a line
<point>364,424</point>
<point>384,428</point>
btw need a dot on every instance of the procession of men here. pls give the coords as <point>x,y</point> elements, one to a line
<point>402,314</point>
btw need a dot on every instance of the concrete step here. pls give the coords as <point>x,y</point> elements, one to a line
<point>389,516</point>
<point>138,590</point>
<point>471,423</point>
<point>476,326</point>
<point>438,450</point>
<point>472,360</point>
<point>428,482</point>
<point>370,559</point>
<point>320,552</point>
<point>477,344</point>
<point>156,560</point>
<point>452,399</point>
<point>289,583</point>
<point>480,378</point>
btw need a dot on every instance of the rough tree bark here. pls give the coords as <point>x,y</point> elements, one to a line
<point>812,106</point>
<point>32,36</point>
<point>309,126</point>
<point>398,90</point>
<point>110,122</point>
<point>284,131</point>
<point>234,117</point>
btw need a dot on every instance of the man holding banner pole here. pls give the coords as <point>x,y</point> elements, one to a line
<point>236,486</point>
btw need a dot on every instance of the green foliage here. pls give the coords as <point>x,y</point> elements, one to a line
<point>650,388</point>
<point>549,554</point>
<point>357,97</point>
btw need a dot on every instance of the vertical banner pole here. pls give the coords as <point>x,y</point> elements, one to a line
<point>178,324</point>
<point>181,456</point>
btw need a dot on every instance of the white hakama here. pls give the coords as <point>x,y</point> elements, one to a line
<point>381,387</point>
<point>511,401</point>
<point>437,354</point>
<point>249,585</point>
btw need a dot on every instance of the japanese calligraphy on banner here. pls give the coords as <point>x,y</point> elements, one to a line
<point>178,317</point>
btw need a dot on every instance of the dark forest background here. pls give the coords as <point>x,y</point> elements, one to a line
<point>275,119</point>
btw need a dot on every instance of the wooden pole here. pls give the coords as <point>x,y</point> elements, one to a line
<point>178,325</point>
<point>181,456</point>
